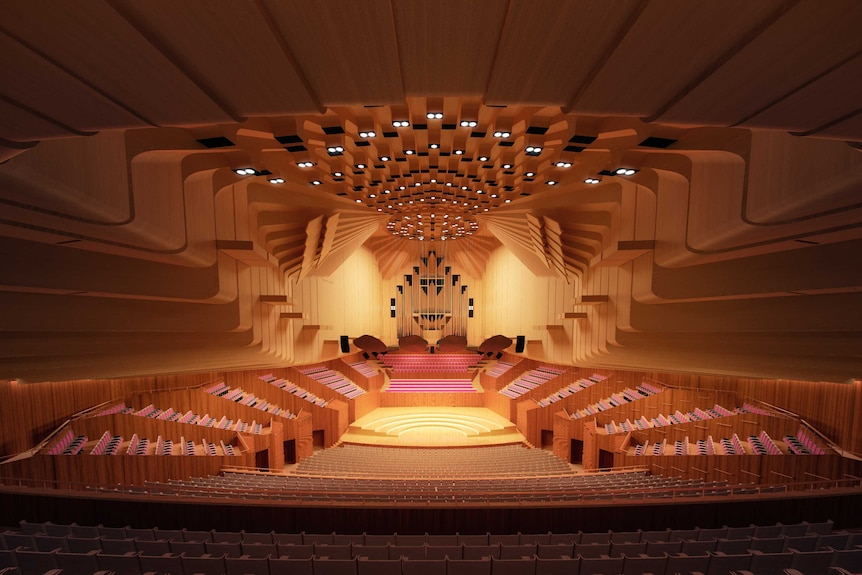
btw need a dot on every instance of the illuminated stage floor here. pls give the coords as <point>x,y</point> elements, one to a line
<point>432,427</point>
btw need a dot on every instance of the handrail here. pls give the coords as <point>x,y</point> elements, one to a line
<point>602,472</point>
<point>446,497</point>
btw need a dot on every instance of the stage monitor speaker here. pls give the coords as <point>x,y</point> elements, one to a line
<point>520,344</point>
<point>345,344</point>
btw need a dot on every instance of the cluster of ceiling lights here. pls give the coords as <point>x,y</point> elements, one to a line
<point>417,193</point>
<point>443,223</point>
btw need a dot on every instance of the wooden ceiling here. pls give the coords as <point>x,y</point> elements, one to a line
<point>122,124</point>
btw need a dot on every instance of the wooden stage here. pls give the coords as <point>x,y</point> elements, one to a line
<point>432,427</point>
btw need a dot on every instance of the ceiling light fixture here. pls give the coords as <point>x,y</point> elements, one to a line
<point>533,150</point>
<point>360,166</point>
<point>592,181</point>
<point>563,164</point>
<point>276,181</point>
<point>434,115</point>
<point>245,171</point>
<point>368,134</point>
<point>305,164</point>
<point>502,134</point>
<point>551,182</point>
<point>400,123</point>
<point>625,171</point>
<point>335,150</point>
<point>469,123</point>
<point>316,182</point>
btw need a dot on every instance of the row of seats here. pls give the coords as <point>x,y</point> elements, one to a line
<point>192,418</point>
<point>455,362</point>
<point>838,539</point>
<point>758,445</point>
<point>571,389</point>
<point>114,445</point>
<point>616,399</point>
<point>364,368</point>
<point>435,385</point>
<point>676,418</point>
<point>499,368</point>
<point>247,398</point>
<point>333,380</point>
<point>530,380</point>
<point>47,543</point>
<point>293,389</point>
<point>801,444</point>
<point>489,461</point>
<point>711,563</point>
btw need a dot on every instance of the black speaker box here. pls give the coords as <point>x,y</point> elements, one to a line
<point>520,344</point>
<point>345,344</point>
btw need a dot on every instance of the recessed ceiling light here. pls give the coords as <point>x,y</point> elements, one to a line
<point>368,134</point>
<point>469,123</point>
<point>335,150</point>
<point>625,171</point>
<point>245,171</point>
<point>372,195</point>
<point>316,182</point>
<point>400,123</point>
<point>434,146</point>
<point>508,201</point>
<point>530,174</point>
<point>551,182</point>
<point>563,164</point>
<point>384,158</point>
<point>507,166</point>
<point>434,115</point>
<point>358,201</point>
<point>305,164</point>
<point>276,181</point>
<point>494,195</point>
<point>483,158</point>
<point>459,152</point>
<point>533,150</point>
<point>502,134</point>
<point>592,181</point>
<point>360,166</point>
<point>409,152</point>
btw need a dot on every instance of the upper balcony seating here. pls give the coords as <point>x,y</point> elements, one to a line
<point>441,362</point>
<point>333,380</point>
<point>364,368</point>
<point>570,389</point>
<point>616,399</point>
<point>530,380</point>
<point>289,387</point>
<point>500,368</point>
<point>238,395</point>
<point>196,419</point>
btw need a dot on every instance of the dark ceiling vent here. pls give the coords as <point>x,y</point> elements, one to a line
<point>288,139</point>
<point>578,139</point>
<point>575,149</point>
<point>538,130</point>
<point>218,142</point>
<point>653,142</point>
<point>296,148</point>
<point>332,130</point>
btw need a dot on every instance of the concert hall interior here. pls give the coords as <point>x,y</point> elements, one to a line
<point>418,266</point>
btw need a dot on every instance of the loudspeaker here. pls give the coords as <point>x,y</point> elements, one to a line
<point>520,344</point>
<point>345,344</point>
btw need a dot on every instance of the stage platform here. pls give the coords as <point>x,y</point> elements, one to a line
<point>432,427</point>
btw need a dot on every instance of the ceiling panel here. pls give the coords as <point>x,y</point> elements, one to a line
<point>849,129</point>
<point>37,82</point>
<point>228,46</point>
<point>447,46</point>
<point>806,41</point>
<point>833,96</point>
<point>564,47</point>
<point>347,50</point>
<point>103,49</point>
<point>669,46</point>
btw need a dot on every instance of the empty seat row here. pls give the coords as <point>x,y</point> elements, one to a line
<point>758,563</point>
